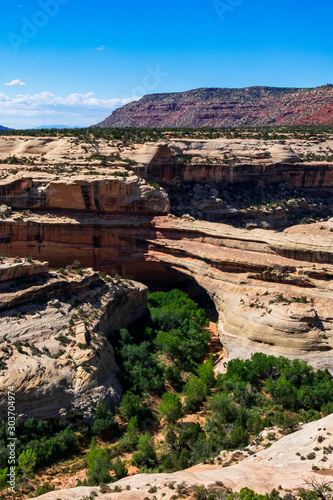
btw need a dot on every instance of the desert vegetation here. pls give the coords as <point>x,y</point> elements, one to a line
<point>314,491</point>
<point>170,390</point>
<point>141,135</point>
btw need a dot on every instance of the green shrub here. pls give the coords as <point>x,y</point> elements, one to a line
<point>27,462</point>
<point>133,405</point>
<point>103,422</point>
<point>48,450</point>
<point>239,437</point>
<point>196,392</point>
<point>146,454</point>
<point>327,408</point>
<point>119,468</point>
<point>171,407</point>
<point>206,371</point>
<point>63,339</point>
<point>3,477</point>
<point>141,371</point>
<point>19,348</point>
<point>178,323</point>
<point>98,466</point>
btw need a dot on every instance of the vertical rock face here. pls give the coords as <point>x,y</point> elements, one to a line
<point>109,195</point>
<point>55,337</point>
<point>224,161</point>
<point>262,184</point>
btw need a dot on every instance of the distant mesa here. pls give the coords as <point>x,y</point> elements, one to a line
<point>45,127</point>
<point>50,127</point>
<point>222,107</point>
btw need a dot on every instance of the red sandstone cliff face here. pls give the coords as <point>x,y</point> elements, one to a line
<point>254,106</point>
<point>308,175</point>
<point>107,195</point>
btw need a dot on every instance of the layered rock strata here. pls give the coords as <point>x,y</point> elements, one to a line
<point>107,195</point>
<point>221,107</point>
<point>272,290</point>
<point>245,182</point>
<point>54,333</point>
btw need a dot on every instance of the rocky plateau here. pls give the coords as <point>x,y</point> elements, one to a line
<point>223,107</point>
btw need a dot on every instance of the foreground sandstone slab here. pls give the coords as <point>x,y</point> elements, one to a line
<point>286,463</point>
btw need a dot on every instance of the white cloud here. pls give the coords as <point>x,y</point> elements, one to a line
<point>14,83</point>
<point>101,47</point>
<point>26,110</point>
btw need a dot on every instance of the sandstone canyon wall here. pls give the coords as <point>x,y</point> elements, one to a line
<point>55,338</point>
<point>272,290</point>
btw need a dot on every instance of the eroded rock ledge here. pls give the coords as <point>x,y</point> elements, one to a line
<point>107,195</point>
<point>54,331</point>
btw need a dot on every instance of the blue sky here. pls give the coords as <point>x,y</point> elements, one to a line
<point>73,61</point>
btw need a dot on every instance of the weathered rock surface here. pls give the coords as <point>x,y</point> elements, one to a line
<point>17,268</point>
<point>270,294</point>
<point>54,331</point>
<point>241,181</point>
<point>279,465</point>
<point>272,290</point>
<point>107,195</point>
<point>221,107</point>
<point>241,161</point>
